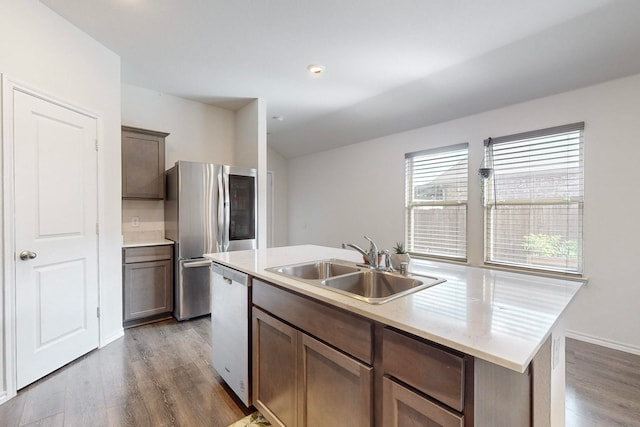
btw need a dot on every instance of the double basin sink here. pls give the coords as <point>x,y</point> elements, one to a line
<point>360,282</point>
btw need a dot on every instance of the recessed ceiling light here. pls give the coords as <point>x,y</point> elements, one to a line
<point>315,69</point>
<point>278,118</point>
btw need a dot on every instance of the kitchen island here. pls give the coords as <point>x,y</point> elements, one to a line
<point>497,338</point>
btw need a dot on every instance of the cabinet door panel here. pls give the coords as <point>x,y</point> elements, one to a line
<point>148,289</point>
<point>142,163</point>
<point>274,369</point>
<point>335,389</point>
<point>403,408</point>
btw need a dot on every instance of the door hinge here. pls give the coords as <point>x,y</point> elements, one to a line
<point>97,145</point>
<point>97,228</point>
<point>98,312</point>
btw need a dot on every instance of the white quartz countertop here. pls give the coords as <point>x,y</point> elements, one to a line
<point>498,316</point>
<point>138,243</point>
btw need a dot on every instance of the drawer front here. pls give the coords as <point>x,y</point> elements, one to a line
<point>430,369</point>
<point>402,407</point>
<point>345,331</point>
<point>147,253</point>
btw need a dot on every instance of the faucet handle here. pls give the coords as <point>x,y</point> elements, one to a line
<point>387,261</point>
<point>373,253</point>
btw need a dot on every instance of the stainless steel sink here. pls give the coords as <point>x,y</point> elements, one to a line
<point>375,287</point>
<point>371,286</point>
<point>317,270</point>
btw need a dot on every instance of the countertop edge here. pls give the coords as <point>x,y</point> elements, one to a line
<point>147,243</point>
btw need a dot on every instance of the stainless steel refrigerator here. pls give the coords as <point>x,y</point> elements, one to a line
<point>208,208</point>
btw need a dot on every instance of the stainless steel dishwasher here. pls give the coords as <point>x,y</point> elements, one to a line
<point>230,328</point>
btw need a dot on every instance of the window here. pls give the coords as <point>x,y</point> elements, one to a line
<point>436,202</point>
<point>534,199</point>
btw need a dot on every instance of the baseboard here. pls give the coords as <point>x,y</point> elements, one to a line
<point>119,334</point>
<point>603,342</point>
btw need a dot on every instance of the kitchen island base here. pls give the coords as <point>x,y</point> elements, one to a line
<point>416,381</point>
<point>482,348</point>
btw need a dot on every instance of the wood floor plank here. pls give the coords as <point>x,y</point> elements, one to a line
<point>603,386</point>
<point>47,399</point>
<point>56,420</point>
<point>11,411</point>
<point>84,403</point>
<point>161,375</point>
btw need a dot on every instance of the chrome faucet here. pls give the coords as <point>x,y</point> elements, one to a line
<point>371,256</point>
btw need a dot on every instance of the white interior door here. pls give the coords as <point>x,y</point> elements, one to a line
<point>55,170</point>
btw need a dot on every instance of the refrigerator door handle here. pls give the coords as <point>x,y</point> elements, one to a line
<point>194,264</point>
<point>221,217</point>
<point>227,203</point>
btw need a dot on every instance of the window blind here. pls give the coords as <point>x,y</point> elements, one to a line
<point>534,199</point>
<point>436,202</point>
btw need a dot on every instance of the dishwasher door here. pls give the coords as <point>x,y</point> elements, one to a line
<point>230,328</point>
<point>192,289</point>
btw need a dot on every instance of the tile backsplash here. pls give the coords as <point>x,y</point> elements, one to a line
<point>142,220</point>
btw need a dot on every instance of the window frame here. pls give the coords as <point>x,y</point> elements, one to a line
<point>411,205</point>
<point>569,201</point>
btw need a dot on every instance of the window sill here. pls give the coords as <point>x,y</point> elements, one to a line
<point>533,272</point>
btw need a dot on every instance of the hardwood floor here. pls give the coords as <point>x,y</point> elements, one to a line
<point>160,375</point>
<point>603,386</point>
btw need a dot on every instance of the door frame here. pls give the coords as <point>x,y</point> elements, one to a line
<point>8,346</point>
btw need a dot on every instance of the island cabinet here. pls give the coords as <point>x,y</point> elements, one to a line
<point>142,163</point>
<point>311,362</point>
<point>315,364</point>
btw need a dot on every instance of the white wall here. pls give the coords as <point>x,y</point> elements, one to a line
<point>342,194</point>
<point>280,168</point>
<point>251,152</point>
<point>245,148</point>
<point>197,132</point>
<point>45,52</point>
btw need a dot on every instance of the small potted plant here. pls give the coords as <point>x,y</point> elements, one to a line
<point>399,256</point>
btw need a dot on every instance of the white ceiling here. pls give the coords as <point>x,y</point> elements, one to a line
<point>390,65</point>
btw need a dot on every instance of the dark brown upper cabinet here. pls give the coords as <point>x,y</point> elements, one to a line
<point>142,163</point>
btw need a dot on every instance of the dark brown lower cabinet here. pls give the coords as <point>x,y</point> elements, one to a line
<point>274,369</point>
<point>147,284</point>
<point>402,407</point>
<point>334,388</point>
<point>300,381</point>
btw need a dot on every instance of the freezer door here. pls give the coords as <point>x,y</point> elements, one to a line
<point>198,194</point>
<point>193,289</point>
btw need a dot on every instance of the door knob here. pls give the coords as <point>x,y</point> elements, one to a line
<point>27,255</point>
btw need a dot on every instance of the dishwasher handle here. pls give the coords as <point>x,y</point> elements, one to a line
<point>230,275</point>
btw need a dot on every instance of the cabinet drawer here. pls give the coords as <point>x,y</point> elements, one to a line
<point>345,331</point>
<point>147,253</point>
<point>402,407</point>
<point>430,369</point>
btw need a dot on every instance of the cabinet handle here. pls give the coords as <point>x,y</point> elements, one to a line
<point>227,280</point>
